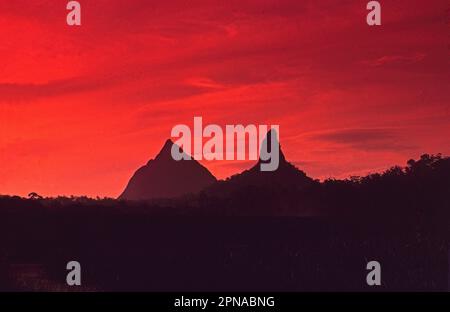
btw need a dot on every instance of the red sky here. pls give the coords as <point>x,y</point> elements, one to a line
<point>81,108</point>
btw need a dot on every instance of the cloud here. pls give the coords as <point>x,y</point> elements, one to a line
<point>383,139</point>
<point>29,91</point>
<point>201,82</point>
<point>396,59</point>
<point>112,89</point>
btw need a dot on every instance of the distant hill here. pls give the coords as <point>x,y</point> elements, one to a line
<point>286,175</point>
<point>187,188</point>
<point>164,177</point>
<point>257,192</point>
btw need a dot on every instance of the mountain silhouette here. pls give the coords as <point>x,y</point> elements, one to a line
<point>164,177</point>
<point>286,175</point>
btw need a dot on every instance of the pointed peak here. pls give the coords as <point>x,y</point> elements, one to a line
<point>165,177</point>
<point>271,137</point>
<point>168,143</point>
<point>272,131</point>
<point>166,150</point>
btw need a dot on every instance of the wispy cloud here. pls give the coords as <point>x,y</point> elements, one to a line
<point>378,139</point>
<point>203,82</point>
<point>396,59</point>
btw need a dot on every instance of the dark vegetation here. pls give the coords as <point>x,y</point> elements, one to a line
<point>295,234</point>
<point>419,190</point>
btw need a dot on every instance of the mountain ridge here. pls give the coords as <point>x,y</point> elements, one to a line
<point>190,177</point>
<point>164,177</point>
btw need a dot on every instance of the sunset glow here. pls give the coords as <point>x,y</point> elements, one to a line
<point>81,108</point>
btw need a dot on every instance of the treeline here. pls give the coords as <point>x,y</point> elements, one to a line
<point>419,190</point>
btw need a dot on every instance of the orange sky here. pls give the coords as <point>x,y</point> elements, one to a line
<point>81,108</point>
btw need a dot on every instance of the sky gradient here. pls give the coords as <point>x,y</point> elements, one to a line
<point>81,108</point>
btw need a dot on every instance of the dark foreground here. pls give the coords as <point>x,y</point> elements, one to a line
<point>143,253</point>
<point>218,241</point>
